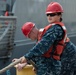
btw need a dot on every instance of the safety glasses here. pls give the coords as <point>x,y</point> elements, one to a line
<point>51,14</point>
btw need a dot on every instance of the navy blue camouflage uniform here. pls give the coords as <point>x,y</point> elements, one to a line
<point>68,59</point>
<point>49,66</point>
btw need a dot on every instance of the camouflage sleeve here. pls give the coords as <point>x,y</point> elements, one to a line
<point>52,34</point>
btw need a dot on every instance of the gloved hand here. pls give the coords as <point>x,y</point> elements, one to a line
<point>20,66</point>
<point>23,59</point>
<point>23,63</point>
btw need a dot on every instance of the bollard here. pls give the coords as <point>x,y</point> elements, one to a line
<point>27,70</point>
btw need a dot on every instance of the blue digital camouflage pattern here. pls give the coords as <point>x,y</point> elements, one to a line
<point>50,66</point>
<point>68,59</point>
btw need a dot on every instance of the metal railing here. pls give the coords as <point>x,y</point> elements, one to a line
<point>7,32</point>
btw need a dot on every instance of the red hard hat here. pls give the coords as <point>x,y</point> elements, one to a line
<point>27,27</point>
<point>54,7</point>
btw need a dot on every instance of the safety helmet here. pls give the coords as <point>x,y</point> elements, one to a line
<point>54,7</point>
<point>27,27</point>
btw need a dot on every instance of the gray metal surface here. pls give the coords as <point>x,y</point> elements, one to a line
<point>7,31</point>
<point>2,5</point>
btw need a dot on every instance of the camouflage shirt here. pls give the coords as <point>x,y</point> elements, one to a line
<point>50,66</point>
<point>46,66</point>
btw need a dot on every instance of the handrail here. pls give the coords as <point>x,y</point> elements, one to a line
<point>5,32</point>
